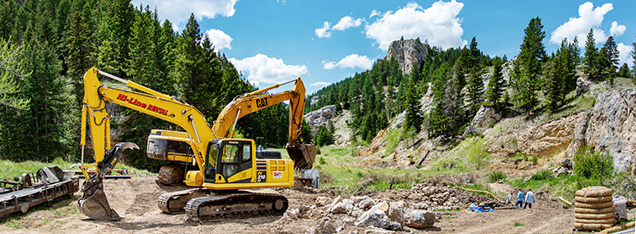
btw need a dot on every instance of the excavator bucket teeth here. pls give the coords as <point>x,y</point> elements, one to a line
<point>94,203</point>
<point>302,154</point>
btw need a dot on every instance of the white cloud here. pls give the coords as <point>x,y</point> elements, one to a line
<point>351,61</point>
<point>324,31</point>
<point>343,24</point>
<point>438,24</point>
<point>589,18</point>
<point>616,29</point>
<point>374,13</point>
<point>178,11</point>
<point>625,53</point>
<point>320,83</point>
<point>219,39</point>
<point>263,69</point>
<point>346,23</point>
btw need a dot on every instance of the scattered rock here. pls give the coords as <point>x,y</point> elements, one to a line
<point>373,217</point>
<point>323,201</point>
<point>343,207</point>
<point>324,226</point>
<point>397,214</point>
<point>419,218</point>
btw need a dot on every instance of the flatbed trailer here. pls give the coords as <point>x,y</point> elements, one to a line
<point>32,189</point>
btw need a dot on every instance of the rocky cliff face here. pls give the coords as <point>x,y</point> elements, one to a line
<point>407,52</point>
<point>612,126</point>
<point>320,117</point>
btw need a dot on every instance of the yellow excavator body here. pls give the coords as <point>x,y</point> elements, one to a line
<point>221,165</point>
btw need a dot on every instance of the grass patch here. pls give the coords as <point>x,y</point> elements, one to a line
<point>10,169</point>
<point>496,176</point>
<point>517,224</point>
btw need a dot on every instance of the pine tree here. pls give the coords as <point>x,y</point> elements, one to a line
<point>590,61</point>
<point>530,58</point>
<point>475,91</point>
<point>624,71</point>
<point>495,88</point>
<point>553,84</point>
<point>80,54</point>
<point>413,117</point>
<point>608,59</point>
<point>196,80</point>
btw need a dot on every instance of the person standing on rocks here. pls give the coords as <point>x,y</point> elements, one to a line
<point>509,198</point>
<point>520,197</point>
<point>529,199</point>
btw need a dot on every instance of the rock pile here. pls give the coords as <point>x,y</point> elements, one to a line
<point>364,212</point>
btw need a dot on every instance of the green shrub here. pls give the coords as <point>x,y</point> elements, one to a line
<point>591,164</point>
<point>321,160</point>
<point>542,175</point>
<point>496,176</point>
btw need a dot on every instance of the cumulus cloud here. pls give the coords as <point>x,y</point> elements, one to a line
<point>324,31</point>
<point>351,61</point>
<point>178,11</point>
<point>263,69</point>
<point>589,18</point>
<point>320,83</point>
<point>617,30</point>
<point>374,13</point>
<point>219,39</point>
<point>346,23</point>
<point>343,24</point>
<point>438,24</point>
<point>625,53</point>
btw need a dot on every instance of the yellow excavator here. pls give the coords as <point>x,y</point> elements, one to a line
<point>223,167</point>
<point>175,146</point>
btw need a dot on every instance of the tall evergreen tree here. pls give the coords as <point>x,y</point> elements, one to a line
<point>608,59</point>
<point>495,88</point>
<point>80,54</point>
<point>196,80</point>
<point>475,91</point>
<point>590,61</point>
<point>530,58</point>
<point>413,117</point>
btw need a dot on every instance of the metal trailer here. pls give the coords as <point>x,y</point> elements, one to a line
<point>32,189</point>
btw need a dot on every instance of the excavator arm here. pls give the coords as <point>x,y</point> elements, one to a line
<point>302,154</point>
<point>148,101</point>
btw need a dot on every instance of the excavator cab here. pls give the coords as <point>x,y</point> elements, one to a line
<point>232,164</point>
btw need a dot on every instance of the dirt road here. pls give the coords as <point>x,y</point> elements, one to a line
<point>136,200</point>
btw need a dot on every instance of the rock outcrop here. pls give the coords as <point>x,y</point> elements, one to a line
<point>320,117</point>
<point>612,126</point>
<point>407,53</point>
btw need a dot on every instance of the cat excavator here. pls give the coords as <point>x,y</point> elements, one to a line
<point>175,146</point>
<point>223,168</point>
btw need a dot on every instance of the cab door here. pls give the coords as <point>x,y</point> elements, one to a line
<point>235,157</point>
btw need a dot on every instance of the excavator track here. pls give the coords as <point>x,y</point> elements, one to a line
<point>171,174</point>
<point>235,204</point>
<point>176,201</point>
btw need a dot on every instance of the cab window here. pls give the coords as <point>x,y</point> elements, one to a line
<point>247,152</point>
<point>230,160</point>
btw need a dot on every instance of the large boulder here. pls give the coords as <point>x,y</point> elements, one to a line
<point>419,218</point>
<point>485,117</point>
<point>373,217</point>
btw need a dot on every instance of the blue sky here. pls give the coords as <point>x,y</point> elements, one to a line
<point>325,41</point>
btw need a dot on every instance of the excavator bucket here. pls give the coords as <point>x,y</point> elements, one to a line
<point>302,154</point>
<point>94,203</point>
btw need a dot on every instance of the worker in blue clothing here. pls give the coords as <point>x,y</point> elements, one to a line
<point>520,197</point>
<point>529,199</point>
